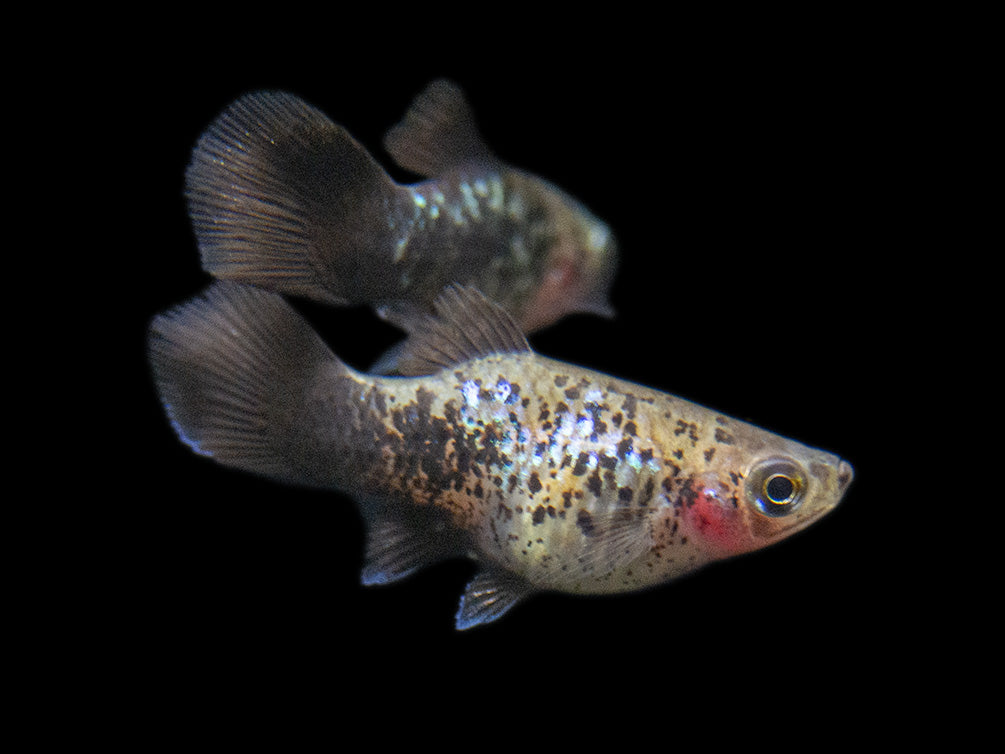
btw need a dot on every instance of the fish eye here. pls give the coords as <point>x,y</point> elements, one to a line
<point>776,486</point>
<point>779,489</point>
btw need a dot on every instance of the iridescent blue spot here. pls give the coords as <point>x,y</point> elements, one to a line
<point>503,390</point>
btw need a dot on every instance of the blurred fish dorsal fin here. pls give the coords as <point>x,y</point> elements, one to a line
<point>437,133</point>
<point>466,326</point>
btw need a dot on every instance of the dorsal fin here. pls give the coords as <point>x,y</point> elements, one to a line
<point>437,133</point>
<point>466,326</point>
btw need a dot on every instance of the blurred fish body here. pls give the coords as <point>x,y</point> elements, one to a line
<point>283,198</point>
<point>549,476</point>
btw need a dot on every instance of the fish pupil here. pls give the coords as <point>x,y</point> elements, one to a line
<point>779,489</point>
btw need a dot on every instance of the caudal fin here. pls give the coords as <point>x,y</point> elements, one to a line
<point>283,198</point>
<point>236,369</point>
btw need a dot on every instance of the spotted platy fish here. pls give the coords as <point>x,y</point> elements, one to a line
<point>548,475</point>
<point>282,197</point>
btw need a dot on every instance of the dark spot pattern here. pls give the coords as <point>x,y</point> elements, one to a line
<point>647,492</point>
<point>723,436</point>
<point>689,428</point>
<point>629,405</point>
<point>687,495</point>
<point>534,484</point>
<point>624,447</point>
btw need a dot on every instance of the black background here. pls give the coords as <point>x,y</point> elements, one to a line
<point>747,189</point>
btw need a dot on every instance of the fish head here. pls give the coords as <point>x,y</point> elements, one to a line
<point>580,259</point>
<point>755,499</point>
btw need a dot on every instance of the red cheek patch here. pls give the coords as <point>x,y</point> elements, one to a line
<point>713,515</point>
<point>556,291</point>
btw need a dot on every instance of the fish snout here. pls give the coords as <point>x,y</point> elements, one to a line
<point>845,474</point>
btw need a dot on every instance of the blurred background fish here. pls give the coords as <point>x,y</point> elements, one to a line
<point>283,198</point>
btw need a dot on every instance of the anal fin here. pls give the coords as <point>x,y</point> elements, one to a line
<point>487,597</point>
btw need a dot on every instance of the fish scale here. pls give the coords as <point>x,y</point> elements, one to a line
<point>550,476</point>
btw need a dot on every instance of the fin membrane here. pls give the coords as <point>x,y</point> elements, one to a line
<point>615,539</point>
<point>234,368</point>
<point>401,541</point>
<point>488,596</point>
<point>282,197</point>
<point>437,133</point>
<point>466,326</point>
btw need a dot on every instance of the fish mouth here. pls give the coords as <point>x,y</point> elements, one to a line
<point>845,474</point>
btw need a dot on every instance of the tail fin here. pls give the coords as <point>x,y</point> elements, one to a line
<point>236,369</point>
<point>282,197</point>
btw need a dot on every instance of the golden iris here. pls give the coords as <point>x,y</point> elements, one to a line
<point>776,486</point>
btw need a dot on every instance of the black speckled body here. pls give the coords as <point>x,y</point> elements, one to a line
<point>571,479</point>
<point>550,476</point>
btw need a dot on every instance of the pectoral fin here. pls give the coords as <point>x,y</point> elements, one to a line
<point>613,540</point>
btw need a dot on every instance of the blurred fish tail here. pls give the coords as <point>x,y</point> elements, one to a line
<point>282,197</point>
